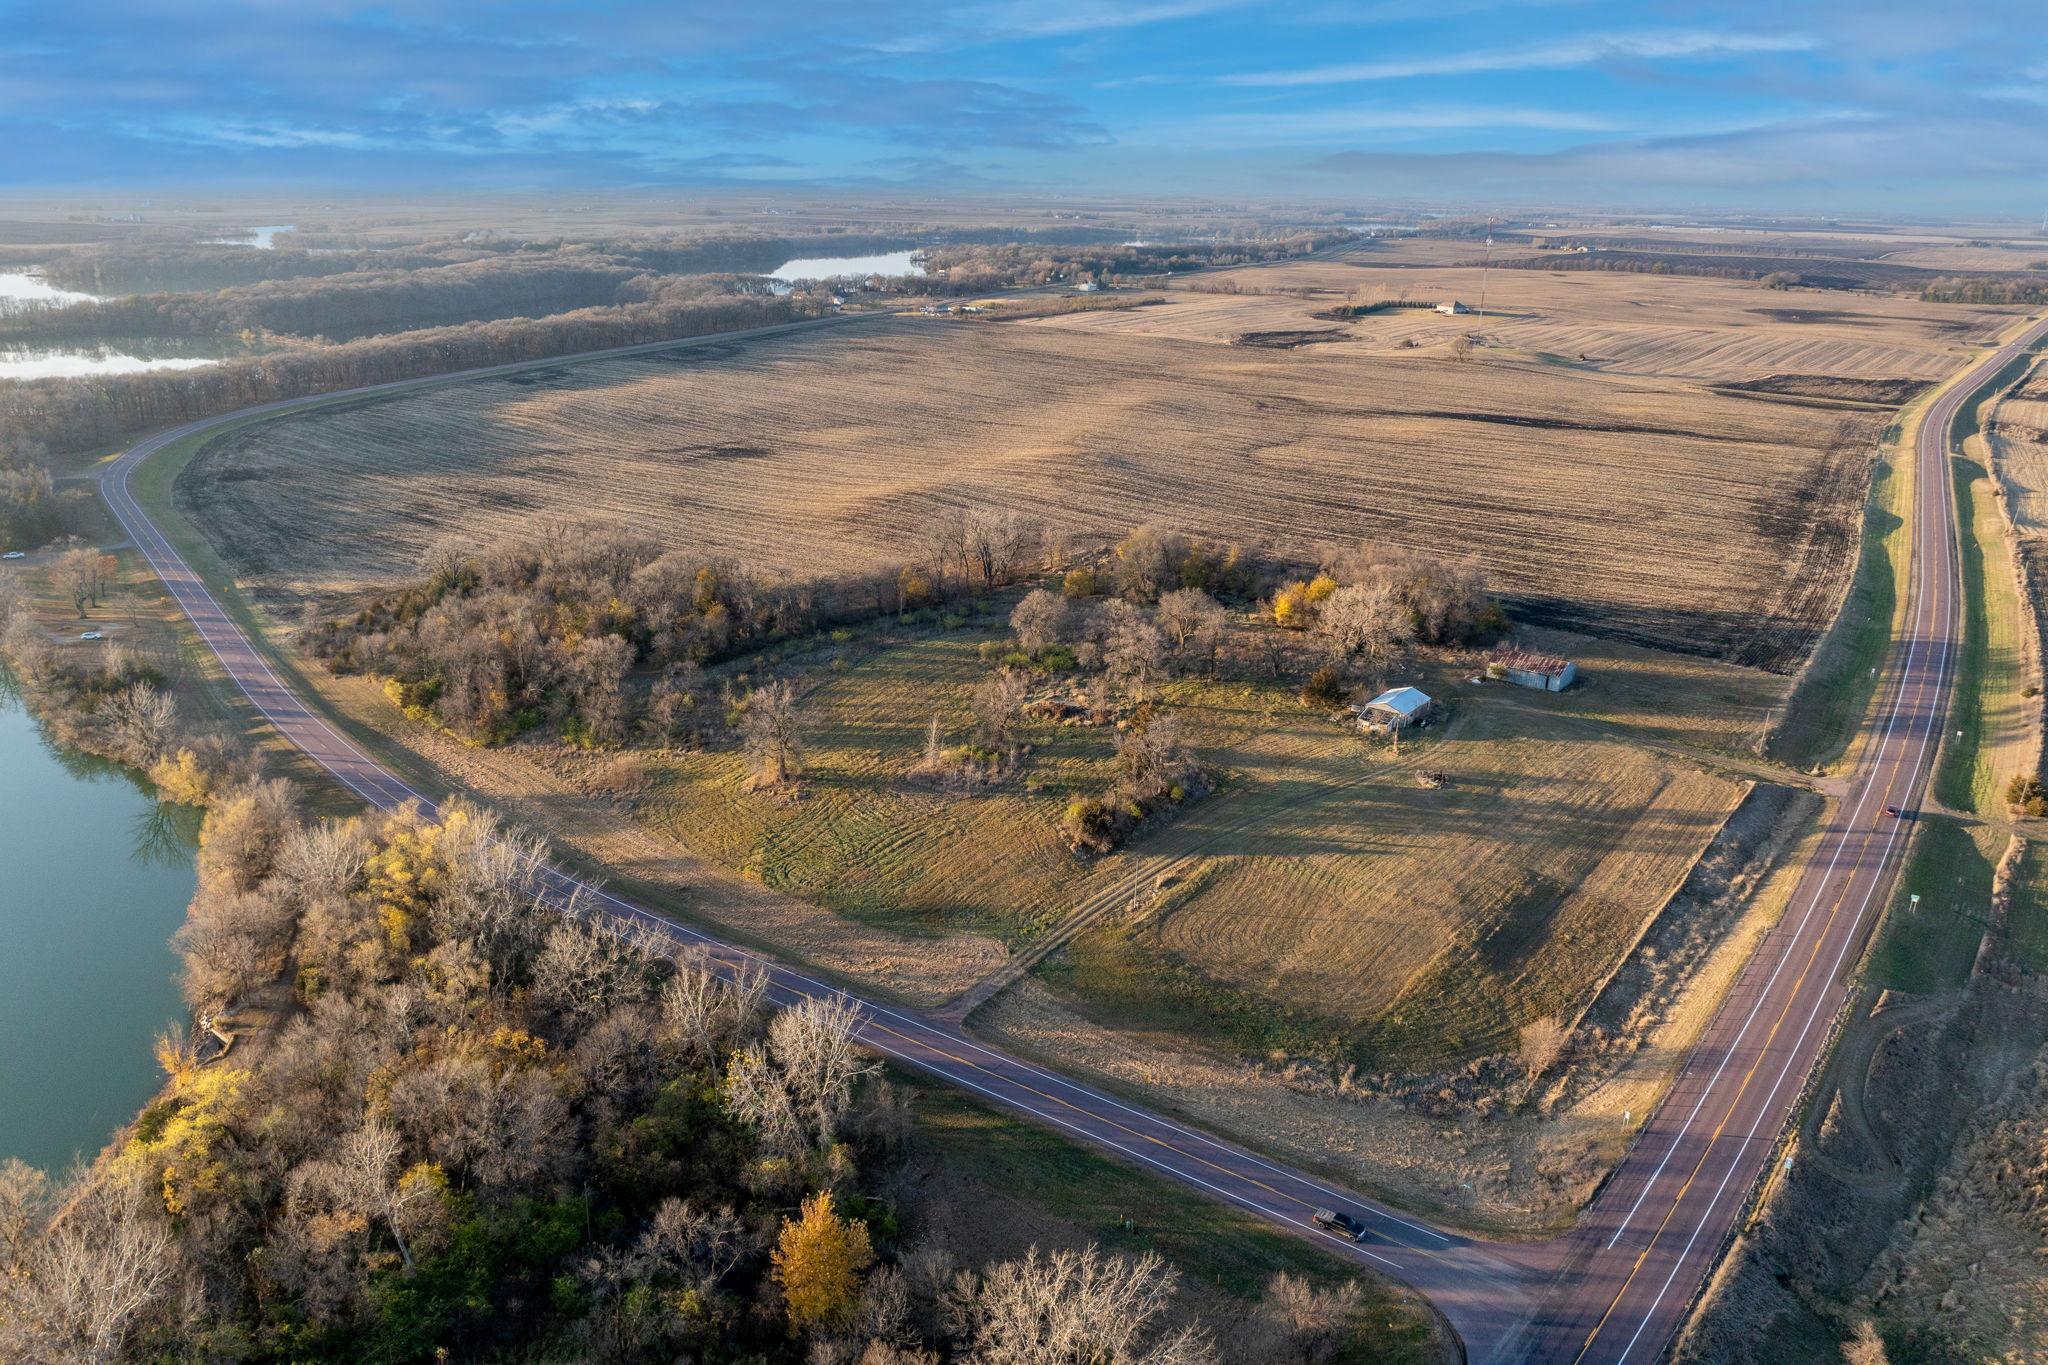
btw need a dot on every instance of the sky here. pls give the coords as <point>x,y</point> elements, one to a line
<point>1936,107</point>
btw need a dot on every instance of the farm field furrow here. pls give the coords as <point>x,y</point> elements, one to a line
<point>1635,508</point>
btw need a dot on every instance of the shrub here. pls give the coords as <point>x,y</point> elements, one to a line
<point>1056,659</point>
<point>1325,687</point>
<point>1080,582</point>
<point>2027,794</point>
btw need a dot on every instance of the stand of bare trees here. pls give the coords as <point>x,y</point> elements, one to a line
<point>81,414</point>
<point>599,632</point>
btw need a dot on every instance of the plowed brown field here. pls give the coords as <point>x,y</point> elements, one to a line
<point>1645,509</point>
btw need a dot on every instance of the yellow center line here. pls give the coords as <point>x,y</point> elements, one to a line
<point>1791,998</point>
<point>1112,1123</point>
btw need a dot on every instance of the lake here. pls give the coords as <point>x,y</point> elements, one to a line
<point>843,267</point>
<point>65,362</point>
<point>262,238</point>
<point>20,289</point>
<point>97,873</point>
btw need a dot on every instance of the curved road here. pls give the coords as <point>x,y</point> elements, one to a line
<point>1613,1289</point>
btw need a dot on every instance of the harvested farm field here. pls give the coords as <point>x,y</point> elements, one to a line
<point>1638,508</point>
<point>1713,330</point>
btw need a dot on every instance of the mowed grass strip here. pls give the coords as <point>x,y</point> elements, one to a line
<point>865,839</point>
<point>1989,723</point>
<point>1929,946</point>
<point>1401,925</point>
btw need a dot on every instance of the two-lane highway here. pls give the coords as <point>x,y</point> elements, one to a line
<point>1481,1295</point>
<point>1619,1284</point>
<point>1635,1263</point>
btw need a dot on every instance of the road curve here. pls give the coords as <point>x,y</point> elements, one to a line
<point>1479,1294</point>
<point>1632,1267</point>
<point>1613,1289</point>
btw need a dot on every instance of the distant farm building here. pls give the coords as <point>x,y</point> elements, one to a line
<point>1526,668</point>
<point>1451,308</point>
<point>1397,708</point>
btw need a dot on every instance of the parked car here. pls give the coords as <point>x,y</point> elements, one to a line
<point>1340,1224</point>
<point>91,635</point>
<point>15,554</point>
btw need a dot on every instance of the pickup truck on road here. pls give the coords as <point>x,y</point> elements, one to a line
<point>1339,1224</point>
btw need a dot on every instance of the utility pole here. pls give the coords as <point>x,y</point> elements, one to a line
<point>1486,262</point>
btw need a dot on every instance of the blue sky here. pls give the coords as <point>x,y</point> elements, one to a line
<point>1910,108</point>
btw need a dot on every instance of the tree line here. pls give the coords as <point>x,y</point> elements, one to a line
<point>90,413</point>
<point>985,268</point>
<point>600,633</point>
<point>422,1115</point>
<point>347,306</point>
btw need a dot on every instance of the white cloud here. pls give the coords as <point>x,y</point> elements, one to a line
<point>1582,51</point>
<point>1248,129</point>
<point>1038,19</point>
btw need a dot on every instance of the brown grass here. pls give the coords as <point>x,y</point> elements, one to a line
<point>1641,508</point>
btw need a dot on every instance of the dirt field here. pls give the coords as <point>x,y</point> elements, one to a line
<point>1640,508</point>
<point>1671,326</point>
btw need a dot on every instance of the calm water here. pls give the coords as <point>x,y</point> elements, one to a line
<point>262,238</point>
<point>20,289</point>
<point>94,877</point>
<point>842,267</point>
<point>44,362</point>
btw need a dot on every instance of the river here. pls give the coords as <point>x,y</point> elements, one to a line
<point>94,877</point>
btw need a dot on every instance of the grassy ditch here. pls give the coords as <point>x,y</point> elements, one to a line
<point>1989,718</point>
<point>1929,946</point>
<point>1833,693</point>
<point>1071,1191</point>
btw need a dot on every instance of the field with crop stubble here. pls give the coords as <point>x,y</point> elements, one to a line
<point>1640,508</point>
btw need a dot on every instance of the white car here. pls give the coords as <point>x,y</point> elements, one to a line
<point>91,635</point>
<point>15,554</point>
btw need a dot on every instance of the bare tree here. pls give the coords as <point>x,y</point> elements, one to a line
<point>1151,757</point>
<point>1074,1308</point>
<point>708,1012</point>
<point>140,718</point>
<point>993,542</point>
<point>1366,620</point>
<point>78,1291</point>
<point>999,711</point>
<point>672,702</point>
<point>1194,621</point>
<point>1133,651</point>
<point>1316,1323</point>
<point>363,1176</point>
<point>231,942</point>
<point>768,729</point>
<point>77,569</point>
<point>1865,1346</point>
<point>1541,1043</point>
<point>797,1090</point>
<point>1039,620</point>
<point>24,1198</point>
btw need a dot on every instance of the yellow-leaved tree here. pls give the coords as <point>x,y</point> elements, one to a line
<point>819,1262</point>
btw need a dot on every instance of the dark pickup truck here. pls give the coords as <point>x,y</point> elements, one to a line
<point>1339,1224</point>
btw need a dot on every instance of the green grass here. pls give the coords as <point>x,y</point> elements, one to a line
<point>1930,946</point>
<point>1990,666</point>
<point>1122,978</point>
<point>1208,1241</point>
<point>1826,709</point>
<point>2026,925</point>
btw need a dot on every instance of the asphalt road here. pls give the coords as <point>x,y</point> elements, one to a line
<point>1616,1287</point>
<point>1634,1264</point>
